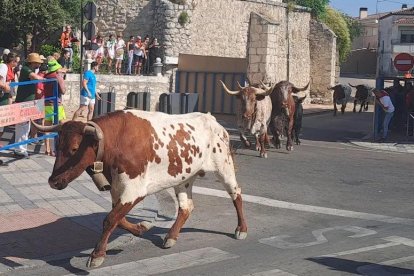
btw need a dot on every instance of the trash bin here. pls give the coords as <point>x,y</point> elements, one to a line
<point>106,104</point>
<point>139,100</point>
<point>178,103</point>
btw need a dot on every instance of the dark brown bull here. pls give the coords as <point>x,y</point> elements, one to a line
<point>283,111</point>
<point>361,95</point>
<point>139,153</point>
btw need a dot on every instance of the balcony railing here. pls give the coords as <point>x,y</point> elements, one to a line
<point>402,42</point>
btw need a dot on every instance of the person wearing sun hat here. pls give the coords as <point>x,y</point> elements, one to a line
<point>26,93</point>
<point>54,69</point>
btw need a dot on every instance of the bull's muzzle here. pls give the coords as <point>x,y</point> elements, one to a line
<point>57,185</point>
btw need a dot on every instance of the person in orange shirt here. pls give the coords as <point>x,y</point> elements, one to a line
<point>66,43</point>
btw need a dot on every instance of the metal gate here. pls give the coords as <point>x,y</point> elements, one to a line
<point>211,96</point>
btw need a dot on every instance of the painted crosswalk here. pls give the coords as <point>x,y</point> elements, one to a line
<point>167,263</point>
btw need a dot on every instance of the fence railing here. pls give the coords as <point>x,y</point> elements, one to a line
<point>54,98</point>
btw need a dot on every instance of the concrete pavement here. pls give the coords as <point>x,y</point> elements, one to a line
<point>34,218</point>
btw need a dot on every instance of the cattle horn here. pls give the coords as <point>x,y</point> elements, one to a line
<point>90,130</point>
<point>265,86</point>
<point>265,92</point>
<point>352,85</point>
<point>300,95</point>
<point>53,128</point>
<point>232,93</point>
<point>301,89</point>
<point>240,87</point>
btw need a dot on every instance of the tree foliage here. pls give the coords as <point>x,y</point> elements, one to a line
<point>354,26</point>
<point>318,6</point>
<point>36,20</point>
<point>336,22</point>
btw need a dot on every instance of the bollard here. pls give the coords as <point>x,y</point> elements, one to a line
<point>157,67</point>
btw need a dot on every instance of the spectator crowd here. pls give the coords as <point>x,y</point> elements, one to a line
<point>113,55</point>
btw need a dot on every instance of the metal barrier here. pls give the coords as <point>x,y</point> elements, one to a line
<point>55,112</point>
<point>178,103</point>
<point>139,100</point>
<point>106,104</point>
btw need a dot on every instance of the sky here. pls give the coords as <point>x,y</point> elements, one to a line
<point>351,7</point>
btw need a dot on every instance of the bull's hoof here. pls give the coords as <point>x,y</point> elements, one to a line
<point>95,261</point>
<point>240,235</point>
<point>247,144</point>
<point>146,225</point>
<point>263,155</point>
<point>354,111</point>
<point>277,146</point>
<point>289,148</point>
<point>168,243</point>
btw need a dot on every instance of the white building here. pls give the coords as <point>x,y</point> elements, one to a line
<point>396,35</point>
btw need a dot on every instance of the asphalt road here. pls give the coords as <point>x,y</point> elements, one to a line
<point>327,208</point>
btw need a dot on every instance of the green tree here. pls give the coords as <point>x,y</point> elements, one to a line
<point>354,26</point>
<point>336,22</point>
<point>318,6</point>
<point>33,22</point>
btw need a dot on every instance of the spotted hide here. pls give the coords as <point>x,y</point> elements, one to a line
<point>146,152</point>
<point>254,108</point>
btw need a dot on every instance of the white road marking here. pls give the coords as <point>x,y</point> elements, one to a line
<point>273,272</point>
<point>306,208</point>
<point>280,240</point>
<point>379,269</point>
<point>167,263</point>
<point>393,241</point>
<point>362,249</point>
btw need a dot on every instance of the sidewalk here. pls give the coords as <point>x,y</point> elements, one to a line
<point>40,225</point>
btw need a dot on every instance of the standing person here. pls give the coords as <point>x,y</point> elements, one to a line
<point>146,64</point>
<point>26,93</point>
<point>130,49</point>
<point>384,100</point>
<point>64,59</point>
<point>66,43</point>
<point>138,55</point>
<point>4,89</point>
<point>110,52</point>
<point>54,72</point>
<point>88,92</point>
<point>100,52</point>
<point>119,52</point>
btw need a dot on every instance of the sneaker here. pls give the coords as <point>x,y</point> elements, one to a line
<point>21,154</point>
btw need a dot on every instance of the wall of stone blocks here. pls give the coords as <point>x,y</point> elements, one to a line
<point>324,64</point>
<point>122,84</point>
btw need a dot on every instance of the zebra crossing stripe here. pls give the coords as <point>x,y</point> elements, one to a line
<point>167,263</point>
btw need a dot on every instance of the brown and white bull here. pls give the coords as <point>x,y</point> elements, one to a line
<point>143,153</point>
<point>253,114</point>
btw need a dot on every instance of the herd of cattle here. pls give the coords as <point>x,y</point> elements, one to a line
<point>279,107</point>
<point>137,153</point>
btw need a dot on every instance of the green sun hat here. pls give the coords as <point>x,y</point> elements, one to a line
<point>53,66</point>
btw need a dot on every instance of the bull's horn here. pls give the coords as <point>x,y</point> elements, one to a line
<point>265,86</point>
<point>90,130</point>
<point>352,85</point>
<point>53,128</point>
<point>240,87</point>
<point>232,93</point>
<point>262,92</point>
<point>299,95</point>
<point>301,89</point>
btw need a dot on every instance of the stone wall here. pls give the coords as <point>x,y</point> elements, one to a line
<point>324,64</point>
<point>129,17</point>
<point>122,84</point>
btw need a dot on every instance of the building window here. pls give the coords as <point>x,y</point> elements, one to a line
<point>407,36</point>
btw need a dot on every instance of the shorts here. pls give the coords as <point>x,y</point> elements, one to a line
<point>86,100</point>
<point>138,59</point>
<point>120,54</point>
<point>49,111</point>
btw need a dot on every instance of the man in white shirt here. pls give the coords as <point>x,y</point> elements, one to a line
<point>384,100</point>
